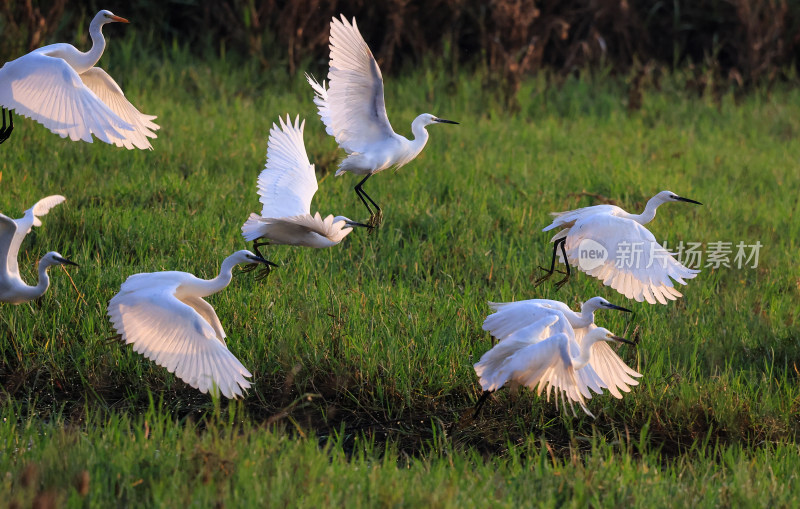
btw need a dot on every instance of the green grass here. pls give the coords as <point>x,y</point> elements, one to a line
<point>375,339</point>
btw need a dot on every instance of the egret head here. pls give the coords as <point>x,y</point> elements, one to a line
<point>600,303</point>
<point>54,258</point>
<point>602,334</point>
<point>667,196</point>
<point>104,17</point>
<point>252,262</point>
<point>427,119</point>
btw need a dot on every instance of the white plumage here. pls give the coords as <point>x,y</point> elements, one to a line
<point>635,264</point>
<point>12,231</point>
<point>59,87</point>
<point>354,113</point>
<point>286,186</point>
<point>568,336</point>
<point>163,315</point>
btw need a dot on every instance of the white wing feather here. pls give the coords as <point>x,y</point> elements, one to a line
<point>512,316</point>
<point>607,366</point>
<point>288,183</point>
<point>642,276</point>
<point>107,90</point>
<point>184,337</point>
<point>13,231</point>
<point>353,108</point>
<point>50,92</point>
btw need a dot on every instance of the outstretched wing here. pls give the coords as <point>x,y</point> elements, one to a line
<point>287,183</point>
<point>13,231</point>
<point>636,265</point>
<point>184,337</point>
<point>104,86</point>
<point>50,92</point>
<point>512,316</point>
<point>353,105</point>
<point>605,365</point>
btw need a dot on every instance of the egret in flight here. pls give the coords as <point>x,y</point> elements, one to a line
<point>286,186</point>
<point>59,87</point>
<point>164,316</point>
<point>12,288</point>
<point>612,245</point>
<point>509,317</point>
<point>553,356</point>
<point>354,113</point>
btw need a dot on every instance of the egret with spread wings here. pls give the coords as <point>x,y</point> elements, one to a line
<point>163,315</point>
<point>354,113</point>
<point>623,253</point>
<point>60,87</point>
<point>286,186</point>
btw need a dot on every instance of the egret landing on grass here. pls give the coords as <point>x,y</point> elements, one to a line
<point>59,87</point>
<point>164,316</point>
<point>558,359</point>
<point>286,187</point>
<point>12,288</point>
<point>624,254</point>
<point>354,113</point>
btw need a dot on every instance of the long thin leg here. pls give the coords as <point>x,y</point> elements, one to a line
<point>265,269</point>
<point>375,218</point>
<point>559,242</point>
<point>566,263</point>
<point>480,403</point>
<point>5,132</point>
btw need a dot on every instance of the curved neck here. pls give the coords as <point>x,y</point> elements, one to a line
<point>649,211</point>
<point>582,359</point>
<point>207,287</point>
<point>34,292</point>
<point>582,319</point>
<point>88,59</point>
<point>420,135</point>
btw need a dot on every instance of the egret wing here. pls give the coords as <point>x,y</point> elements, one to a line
<point>512,316</point>
<point>177,335</point>
<point>493,368</point>
<point>12,237</point>
<point>104,86</point>
<point>636,265</point>
<point>568,218</point>
<point>357,112</point>
<point>50,92</point>
<point>605,365</point>
<point>287,183</point>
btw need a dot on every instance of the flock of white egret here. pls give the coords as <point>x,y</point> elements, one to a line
<point>542,344</point>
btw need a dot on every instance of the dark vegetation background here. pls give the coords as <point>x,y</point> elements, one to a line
<point>725,43</point>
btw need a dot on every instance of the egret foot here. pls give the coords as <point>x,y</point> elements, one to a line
<point>264,272</point>
<point>562,282</point>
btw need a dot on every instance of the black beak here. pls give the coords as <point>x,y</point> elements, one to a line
<point>64,261</point>
<point>623,340</point>
<point>259,259</point>
<point>353,223</point>
<point>619,308</point>
<point>687,200</point>
<point>443,121</point>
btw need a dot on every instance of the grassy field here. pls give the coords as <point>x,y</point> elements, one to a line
<point>362,354</point>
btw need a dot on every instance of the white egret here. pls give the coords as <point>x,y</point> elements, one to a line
<point>549,354</point>
<point>286,186</point>
<point>164,316</point>
<point>59,87</point>
<point>509,317</point>
<point>353,111</point>
<point>610,244</point>
<point>12,231</point>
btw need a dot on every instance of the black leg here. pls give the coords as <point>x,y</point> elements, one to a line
<point>559,242</point>
<point>566,263</point>
<point>376,217</point>
<point>266,269</point>
<point>480,403</point>
<point>5,132</point>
